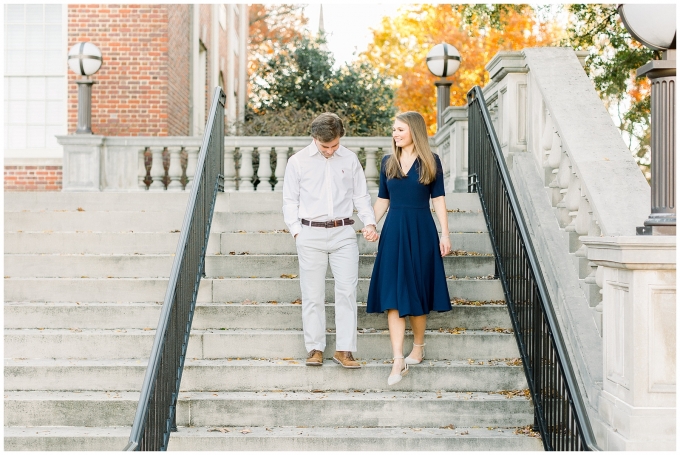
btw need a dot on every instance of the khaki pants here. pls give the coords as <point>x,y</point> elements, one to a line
<point>317,247</point>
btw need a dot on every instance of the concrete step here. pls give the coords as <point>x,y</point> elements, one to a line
<point>330,409</point>
<point>283,243</point>
<point>21,315</point>
<point>278,438</point>
<point>259,201</point>
<point>260,375</point>
<point>265,242</point>
<point>154,265</point>
<point>446,344</point>
<point>136,221</point>
<point>99,243</point>
<point>211,290</point>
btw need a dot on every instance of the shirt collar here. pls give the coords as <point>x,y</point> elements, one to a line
<point>313,149</point>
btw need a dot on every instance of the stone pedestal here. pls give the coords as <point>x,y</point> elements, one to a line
<point>82,158</point>
<point>637,403</point>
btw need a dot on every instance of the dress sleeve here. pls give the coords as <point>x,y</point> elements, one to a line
<point>437,186</point>
<point>383,192</point>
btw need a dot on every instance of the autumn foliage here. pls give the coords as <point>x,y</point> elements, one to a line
<point>401,44</point>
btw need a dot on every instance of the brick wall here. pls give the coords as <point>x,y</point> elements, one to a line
<point>179,56</point>
<point>131,94</point>
<point>32,178</point>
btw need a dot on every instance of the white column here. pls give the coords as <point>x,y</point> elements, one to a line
<point>157,170</point>
<point>141,169</point>
<point>371,170</point>
<point>264,170</point>
<point>246,169</point>
<point>192,160</point>
<point>175,169</point>
<point>280,171</point>
<point>229,169</point>
<point>638,400</point>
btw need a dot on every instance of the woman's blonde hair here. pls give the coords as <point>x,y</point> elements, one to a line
<point>418,129</point>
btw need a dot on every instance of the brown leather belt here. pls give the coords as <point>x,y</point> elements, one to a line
<point>328,224</point>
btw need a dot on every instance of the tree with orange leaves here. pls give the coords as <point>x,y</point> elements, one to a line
<point>400,46</point>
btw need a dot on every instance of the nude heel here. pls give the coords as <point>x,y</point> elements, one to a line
<point>395,378</point>
<point>410,361</point>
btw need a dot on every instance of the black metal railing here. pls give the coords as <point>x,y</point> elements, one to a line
<point>559,412</point>
<point>156,411</point>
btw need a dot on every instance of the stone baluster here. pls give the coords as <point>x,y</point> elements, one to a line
<point>563,178</point>
<point>157,169</point>
<point>582,226</point>
<point>553,163</point>
<point>280,171</point>
<point>229,169</point>
<point>192,162</point>
<point>571,201</point>
<point>371,171</point>
<point>245,182</point>
<point>547,140</point>
<point>175,169</point>
<point>593,289</point>
<point>264,169</point>
<point>141,169</point>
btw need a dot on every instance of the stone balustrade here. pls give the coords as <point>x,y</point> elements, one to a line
<point>575,179</point>
<point>252,163</point>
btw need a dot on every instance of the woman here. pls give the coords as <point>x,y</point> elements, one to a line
<point>408,276</point>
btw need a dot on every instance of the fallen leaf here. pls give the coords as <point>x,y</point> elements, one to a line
<point>80,209</point>
<point>448,427</point>
<point>246,431</point>
<point>288,275</point>
<point>221,430</point>
<point>297,302</point>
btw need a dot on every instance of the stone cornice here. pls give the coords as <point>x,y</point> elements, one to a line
<point>643,252</point>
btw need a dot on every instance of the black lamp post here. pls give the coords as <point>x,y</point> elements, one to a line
<point>654,26</point>
<point>84,59</point>
<point>443,60</point>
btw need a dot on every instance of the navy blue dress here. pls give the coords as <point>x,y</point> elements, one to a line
<point>408,274</point>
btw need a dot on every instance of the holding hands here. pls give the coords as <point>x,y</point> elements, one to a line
<point>370,233</point>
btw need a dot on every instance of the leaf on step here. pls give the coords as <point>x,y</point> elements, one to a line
<point>80,209</point>
<point>463,433</point>
<point>221,430</point>
<point>287,358</point>
<point>147,328</point>
<point>297,302</point>
<point>246,431</point>
<point>232,253</point>
<point>273,302</point>
<point>448,427</point>
<point>249,302</point>
<point>84,276</point>
<point>318,391</point>
<point>175,231</point>
<point>288,275</point>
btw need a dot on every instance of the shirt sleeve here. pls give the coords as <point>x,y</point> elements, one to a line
<point>291,198</point>
<point>360,197</point>
<point>437,186</point>
<point>383,192</point>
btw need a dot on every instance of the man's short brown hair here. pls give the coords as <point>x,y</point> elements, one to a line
<point>326,127</point>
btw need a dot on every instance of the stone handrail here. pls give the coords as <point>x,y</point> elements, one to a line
<point>99,163</point>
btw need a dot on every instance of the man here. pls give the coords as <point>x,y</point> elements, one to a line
<point>321,183</point>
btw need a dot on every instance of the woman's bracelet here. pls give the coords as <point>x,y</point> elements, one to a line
<point>444,235</point>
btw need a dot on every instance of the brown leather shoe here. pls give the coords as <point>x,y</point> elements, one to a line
<point>315,358</point>
<point>345,359</point>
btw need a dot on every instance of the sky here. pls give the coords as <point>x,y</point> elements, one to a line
<point>347,25</point>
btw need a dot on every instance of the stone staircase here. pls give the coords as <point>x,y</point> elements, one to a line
<point>85,276</point>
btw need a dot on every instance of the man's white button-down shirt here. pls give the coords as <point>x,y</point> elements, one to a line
<point>317,188</point>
